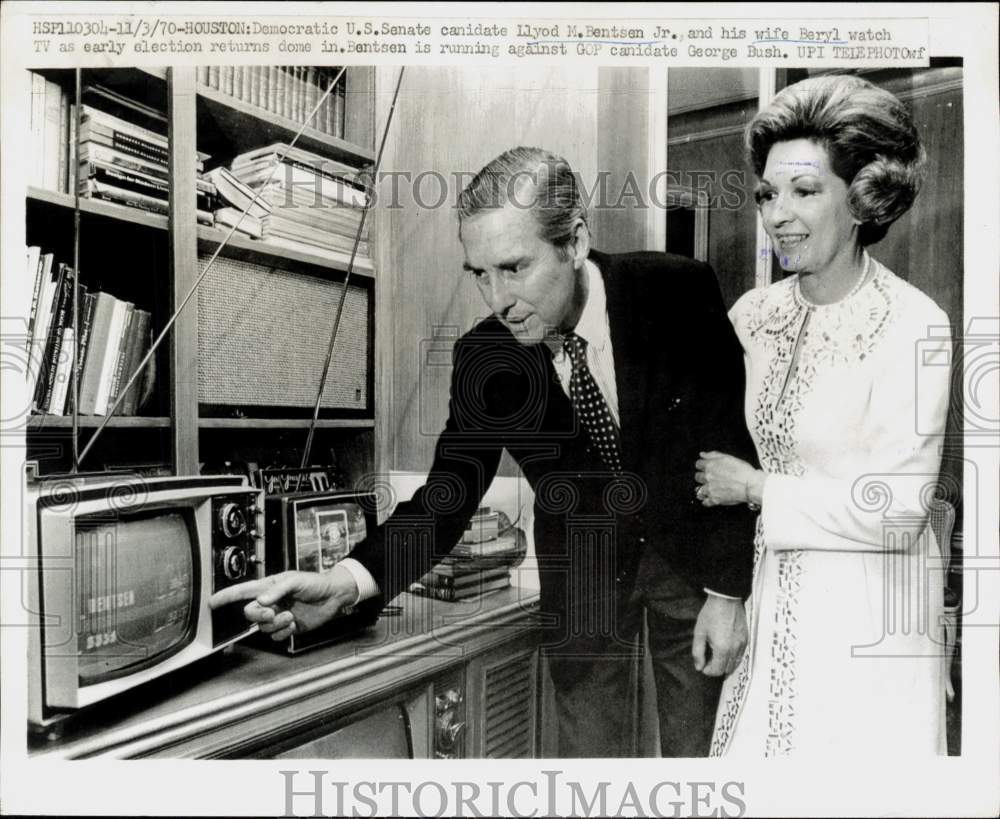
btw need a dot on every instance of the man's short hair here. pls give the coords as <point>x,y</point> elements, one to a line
<point>530,178</point>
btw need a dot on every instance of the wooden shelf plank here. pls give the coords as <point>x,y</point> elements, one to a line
<point>239,246</point>
<point>98,207</point>
<point>92,421</point>
<point>236,117</point>
<point>285,423</point>
<point>261,252</point>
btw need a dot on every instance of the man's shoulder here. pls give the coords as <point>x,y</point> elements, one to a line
<point>650,262</point>
<point>489,329</point>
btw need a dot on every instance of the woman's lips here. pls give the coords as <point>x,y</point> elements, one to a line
<point>789,240</point>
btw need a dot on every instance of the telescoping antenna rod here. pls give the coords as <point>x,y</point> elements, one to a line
<point>343,294</point>
<point>194,287</point>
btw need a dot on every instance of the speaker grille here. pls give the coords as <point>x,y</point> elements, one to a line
<point>509,727</point>
<point>263,335</point>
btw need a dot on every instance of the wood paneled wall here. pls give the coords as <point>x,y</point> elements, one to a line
<point>705,151</point>
<point>618,217</point>
<point>450,121</point>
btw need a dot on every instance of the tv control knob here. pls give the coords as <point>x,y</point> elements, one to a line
<point>232,521</point>
<point>234,562</point>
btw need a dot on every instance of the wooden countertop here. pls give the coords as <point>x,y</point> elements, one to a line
<point>214,705</point>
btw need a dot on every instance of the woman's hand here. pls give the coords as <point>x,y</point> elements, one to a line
<point>725,481</point>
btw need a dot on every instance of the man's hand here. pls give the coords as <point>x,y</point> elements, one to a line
<point>720,635</point>
<point>292,602</point>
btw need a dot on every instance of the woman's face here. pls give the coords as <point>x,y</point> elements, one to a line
<point>803,204</point>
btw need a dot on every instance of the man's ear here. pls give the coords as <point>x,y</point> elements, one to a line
<point>581,243</point>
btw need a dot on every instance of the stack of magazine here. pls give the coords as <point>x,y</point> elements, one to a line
<point>125,163</point>
<point>316,203</point>
<point>480,563</point>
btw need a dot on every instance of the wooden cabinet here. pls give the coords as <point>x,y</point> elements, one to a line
<point>442,680</point>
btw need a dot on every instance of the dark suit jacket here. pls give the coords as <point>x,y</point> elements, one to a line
<point>680,378</point>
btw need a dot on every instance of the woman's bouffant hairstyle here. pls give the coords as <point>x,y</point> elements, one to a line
<point>867,132</point>
<point>531,178</point>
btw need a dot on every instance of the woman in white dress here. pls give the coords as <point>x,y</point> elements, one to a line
<point>847,393</point>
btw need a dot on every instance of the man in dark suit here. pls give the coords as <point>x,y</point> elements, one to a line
<point>604,377</point>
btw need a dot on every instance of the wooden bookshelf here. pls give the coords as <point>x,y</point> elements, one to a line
<point>98,207</point>
<point>239,245</point>
<point>38,422</point>
<point>285,423</point>
<point>246,126</point>
<point>164,250</point>
<point>243,247</point>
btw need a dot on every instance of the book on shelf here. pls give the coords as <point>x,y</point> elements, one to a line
<point>243,222</point>
<point>124,108</point>
<point>451,595</point>
<point>56,404</point>
<point>88,300</point>
<point>464,579</point>
<point>315,207</point>
<point>94,189</point>
<point>137,182</point>
<point>150,178</point>
<point>236,194</point>
<point>38,269</point>
<point>102,348</point>
<point>105,126</point>
<point>94,153</point>
<point>139,343</point>
<point>342,259</point>
<point>268,155</point>
<point>458,565</point>
<point>291,176</point>
<point>291,92</point>
<point>97,352</point>
<point>57,323</point>
<point>107,363</point>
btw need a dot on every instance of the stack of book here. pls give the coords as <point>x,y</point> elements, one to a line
<point>111,338</point>
<point>461,580</point>
<point>316,202</point>
<point>122,162</point>
<point>288,91</point>
<point>479,563</point>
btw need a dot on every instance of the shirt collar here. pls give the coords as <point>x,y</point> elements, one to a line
<point>593,324</point>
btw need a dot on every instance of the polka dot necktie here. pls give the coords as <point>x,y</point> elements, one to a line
<point>590,405</point>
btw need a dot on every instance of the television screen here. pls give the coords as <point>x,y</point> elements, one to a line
<point>136,588</point>
<point>325,532</point>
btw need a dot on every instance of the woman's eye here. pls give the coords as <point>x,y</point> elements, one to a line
<point>805,191</point>
<point>764,196</point>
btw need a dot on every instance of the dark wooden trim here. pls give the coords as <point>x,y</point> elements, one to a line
<point>182,221</point>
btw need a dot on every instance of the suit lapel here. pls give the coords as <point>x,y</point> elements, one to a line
<point>631,362</point>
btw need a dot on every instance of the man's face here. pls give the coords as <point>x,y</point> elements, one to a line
<point>528,283</point>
